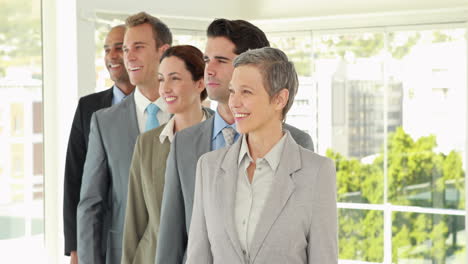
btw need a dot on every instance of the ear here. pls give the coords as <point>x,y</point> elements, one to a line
<point>200,84</point>
<point>163,48</point>
<point>281,99</point>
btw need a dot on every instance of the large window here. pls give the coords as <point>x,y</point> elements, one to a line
<point>389,106</point>
<point>21,155</point>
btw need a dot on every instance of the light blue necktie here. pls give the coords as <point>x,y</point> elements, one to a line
<point>152,121</point>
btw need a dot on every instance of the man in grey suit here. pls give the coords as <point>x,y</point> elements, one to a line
<point>103,197</point>
<point>226,40</point>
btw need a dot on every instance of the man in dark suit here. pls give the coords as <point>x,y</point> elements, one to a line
<point>78,141</point>
<point>226,40</point>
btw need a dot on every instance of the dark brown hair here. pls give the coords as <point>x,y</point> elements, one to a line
<point>193,60</point>
<point>243,34</point>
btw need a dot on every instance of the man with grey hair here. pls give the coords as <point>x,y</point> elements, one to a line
<point>112,137</point>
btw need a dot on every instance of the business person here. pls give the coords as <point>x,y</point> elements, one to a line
<point>103,197</point>
<point>265,199</point>
<point>226,40</point>
<point>78,140</point>
<point>181,85</point>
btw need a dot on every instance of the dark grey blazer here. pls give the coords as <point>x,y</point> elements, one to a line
<point>105,183</point>
<point>176,210</point>
<point>75,159</point>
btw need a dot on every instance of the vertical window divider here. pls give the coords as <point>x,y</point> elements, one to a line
<point>466,137</point>
<point>387,206</point>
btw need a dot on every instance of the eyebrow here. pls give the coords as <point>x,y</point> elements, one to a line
<point>173,73</point>
<point>136,43</point>
<point>115,44</point>
<point>221,58</point>
<point>241,86</point>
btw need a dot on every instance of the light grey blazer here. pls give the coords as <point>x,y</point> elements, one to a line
<point>176,209</point>
<point>103,196</point>
<point>297,225</point>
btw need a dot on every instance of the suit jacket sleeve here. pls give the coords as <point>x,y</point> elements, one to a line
<point>75,159</point>
<point>199,248</point>
<point>94,193</point>
<point>172,238</point>
<point>136,214</point>
<point>323,232</point>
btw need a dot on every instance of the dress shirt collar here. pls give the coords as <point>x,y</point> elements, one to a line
<point>117,95</point>
<point>142,102</point>
<point>168,130</point>
<point>219,124</point>
<point>272,157</point>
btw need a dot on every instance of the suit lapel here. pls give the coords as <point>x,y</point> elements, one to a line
<point>203,144</point>
<point>131,114</point>
<point>159,157</point>
<point>156,157</point>
<point>107,98</point>
<point>226,187</point>
<point>281,190</point>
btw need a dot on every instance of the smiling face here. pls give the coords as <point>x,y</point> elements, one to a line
<point>176,85</point>
<point>250,103</point>
<point>219,55</point>
<point>141,56</point>
<point>114,55</point>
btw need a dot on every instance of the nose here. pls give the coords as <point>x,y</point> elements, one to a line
<point>164,88</point>
<point>209,69</point>
<point>234,101</point>
<point>113,54</point>
<point>129,56</point>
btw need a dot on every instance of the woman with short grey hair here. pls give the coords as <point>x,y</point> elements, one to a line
<point>264,199</point>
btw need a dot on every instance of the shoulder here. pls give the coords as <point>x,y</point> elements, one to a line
<point>94,97</point>
<point>312,161</point>
<point>116,109</point>
<point>208,112</point>
<point>213,159</point>
<point>216,154</point>
<point>196,130</point>
<point>295,132</point>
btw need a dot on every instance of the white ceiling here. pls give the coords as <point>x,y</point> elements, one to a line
<point>266,9</point>
<point>273,9</point>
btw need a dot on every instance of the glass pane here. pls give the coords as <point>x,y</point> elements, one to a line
<point>350,81</point>
<point>425,165</point>
<point>189,37</point>
<point>360,235</point>
<point>21,139</point>
<point>428,238</point>
<point>303,113</point>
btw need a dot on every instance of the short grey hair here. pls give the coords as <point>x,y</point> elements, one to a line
<point>277,71</point>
